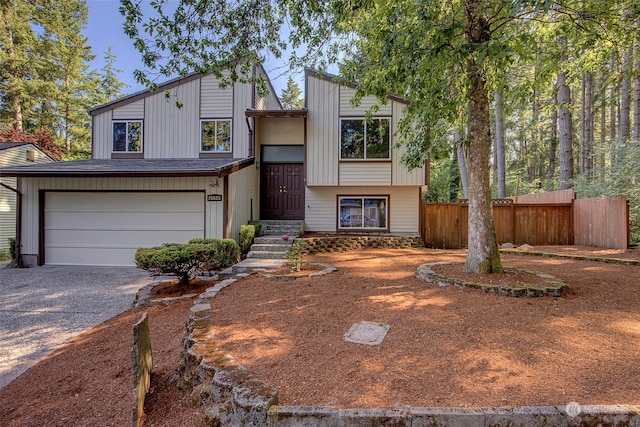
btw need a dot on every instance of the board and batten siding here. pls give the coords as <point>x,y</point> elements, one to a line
<point>14,156</point>
<point>321,211</point>
<point>242,100</point>
<point>243,197</point>
<point>30,187</point>
<point>169,131</point>
<point>400,174</point>
<point>269,102</point>
<point>102,135</point>
<point>323,121</point>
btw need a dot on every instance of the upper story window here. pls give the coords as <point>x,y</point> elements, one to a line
<point>127,136</point>
<point>215,136</point>
<point>362,139</point>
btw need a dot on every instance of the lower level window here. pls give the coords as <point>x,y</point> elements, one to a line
<point>363,212</point>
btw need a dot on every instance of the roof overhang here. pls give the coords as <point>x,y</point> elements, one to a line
<point>301,114</point>
<point>131,168</point>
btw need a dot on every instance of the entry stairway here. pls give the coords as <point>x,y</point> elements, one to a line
<point>269,250</point>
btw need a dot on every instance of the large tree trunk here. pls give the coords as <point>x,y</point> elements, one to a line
<point>636,99</point>
<point>462,164</point>
<point>553,144</point>
<point>586,141</point>
<point>499,138</point>
<point>14,79</point>
<point>565,131</point>
<point>483,255</point>
<point>624,131</point>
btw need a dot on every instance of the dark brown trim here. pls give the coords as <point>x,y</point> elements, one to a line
<point>321,75</point>
<point>41,202</point>
<point>99,171</point>
<point>117,155</point>
<point>143,94</point>
<point>208,155</point>
<point>277,113</point>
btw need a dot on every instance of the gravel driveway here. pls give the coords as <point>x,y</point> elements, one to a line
<point>41,308</point>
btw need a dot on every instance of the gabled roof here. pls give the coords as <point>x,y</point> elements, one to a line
<point>341,81</point>
<point>10,145</point>
<point>7,145</point>
<point>160,88</point>
<point>131,168</point>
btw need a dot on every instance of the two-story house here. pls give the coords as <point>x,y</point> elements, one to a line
<point>161,173</point>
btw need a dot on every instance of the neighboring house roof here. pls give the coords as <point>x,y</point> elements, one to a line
<point>131,168</point>
<point>340,80</point>
<point>9,145</point>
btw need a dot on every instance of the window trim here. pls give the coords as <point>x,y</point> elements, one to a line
<point>215,153</point>
<point>364,119</point>
<point>364,228</point>
<point>126,153</point>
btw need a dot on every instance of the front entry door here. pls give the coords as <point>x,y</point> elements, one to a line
<point>282,191</point>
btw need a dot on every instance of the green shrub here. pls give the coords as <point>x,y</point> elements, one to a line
<point>247,233</point>
<point>12,247</point>
<point>188,260</point>
<point>295,253</point>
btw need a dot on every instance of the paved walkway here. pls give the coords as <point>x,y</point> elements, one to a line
<point>42,308</point>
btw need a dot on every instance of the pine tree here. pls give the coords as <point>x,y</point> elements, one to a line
<point>291,96</point>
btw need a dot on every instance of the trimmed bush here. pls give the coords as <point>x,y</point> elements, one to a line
<point>247,233</point>
<point>12,247</point>
<point>188,260</point>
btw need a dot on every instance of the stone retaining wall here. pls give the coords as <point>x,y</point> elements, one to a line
<point>323,244</point>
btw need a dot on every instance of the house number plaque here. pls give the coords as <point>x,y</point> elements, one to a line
<point>214,197</point>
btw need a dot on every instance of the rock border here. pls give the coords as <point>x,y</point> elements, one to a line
<point>231,395</point>
<point>554,286</point>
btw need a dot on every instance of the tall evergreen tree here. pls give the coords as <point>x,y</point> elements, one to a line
<point>291,96</point>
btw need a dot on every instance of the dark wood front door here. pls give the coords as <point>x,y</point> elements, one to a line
<point>282,191</point>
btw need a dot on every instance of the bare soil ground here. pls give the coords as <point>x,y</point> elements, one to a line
<point>445,347</point>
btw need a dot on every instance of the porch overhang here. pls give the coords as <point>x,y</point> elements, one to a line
<point>300,114</point>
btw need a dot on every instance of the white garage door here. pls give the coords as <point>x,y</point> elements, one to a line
<point>96,228</point>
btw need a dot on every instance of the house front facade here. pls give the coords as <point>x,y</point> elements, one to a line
<point>192,159</point>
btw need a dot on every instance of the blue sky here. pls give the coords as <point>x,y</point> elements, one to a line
<point>104,29</point>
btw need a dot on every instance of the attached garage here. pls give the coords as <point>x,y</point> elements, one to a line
<point>106,228</point>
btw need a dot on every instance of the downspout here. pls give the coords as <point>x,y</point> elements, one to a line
<point>18,242</point>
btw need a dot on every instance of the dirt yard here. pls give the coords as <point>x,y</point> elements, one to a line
<point>445,347</point>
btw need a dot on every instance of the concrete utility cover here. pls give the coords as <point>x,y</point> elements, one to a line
<point>369,333</point>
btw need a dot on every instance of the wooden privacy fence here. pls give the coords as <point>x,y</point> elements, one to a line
<point>588,222</point>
